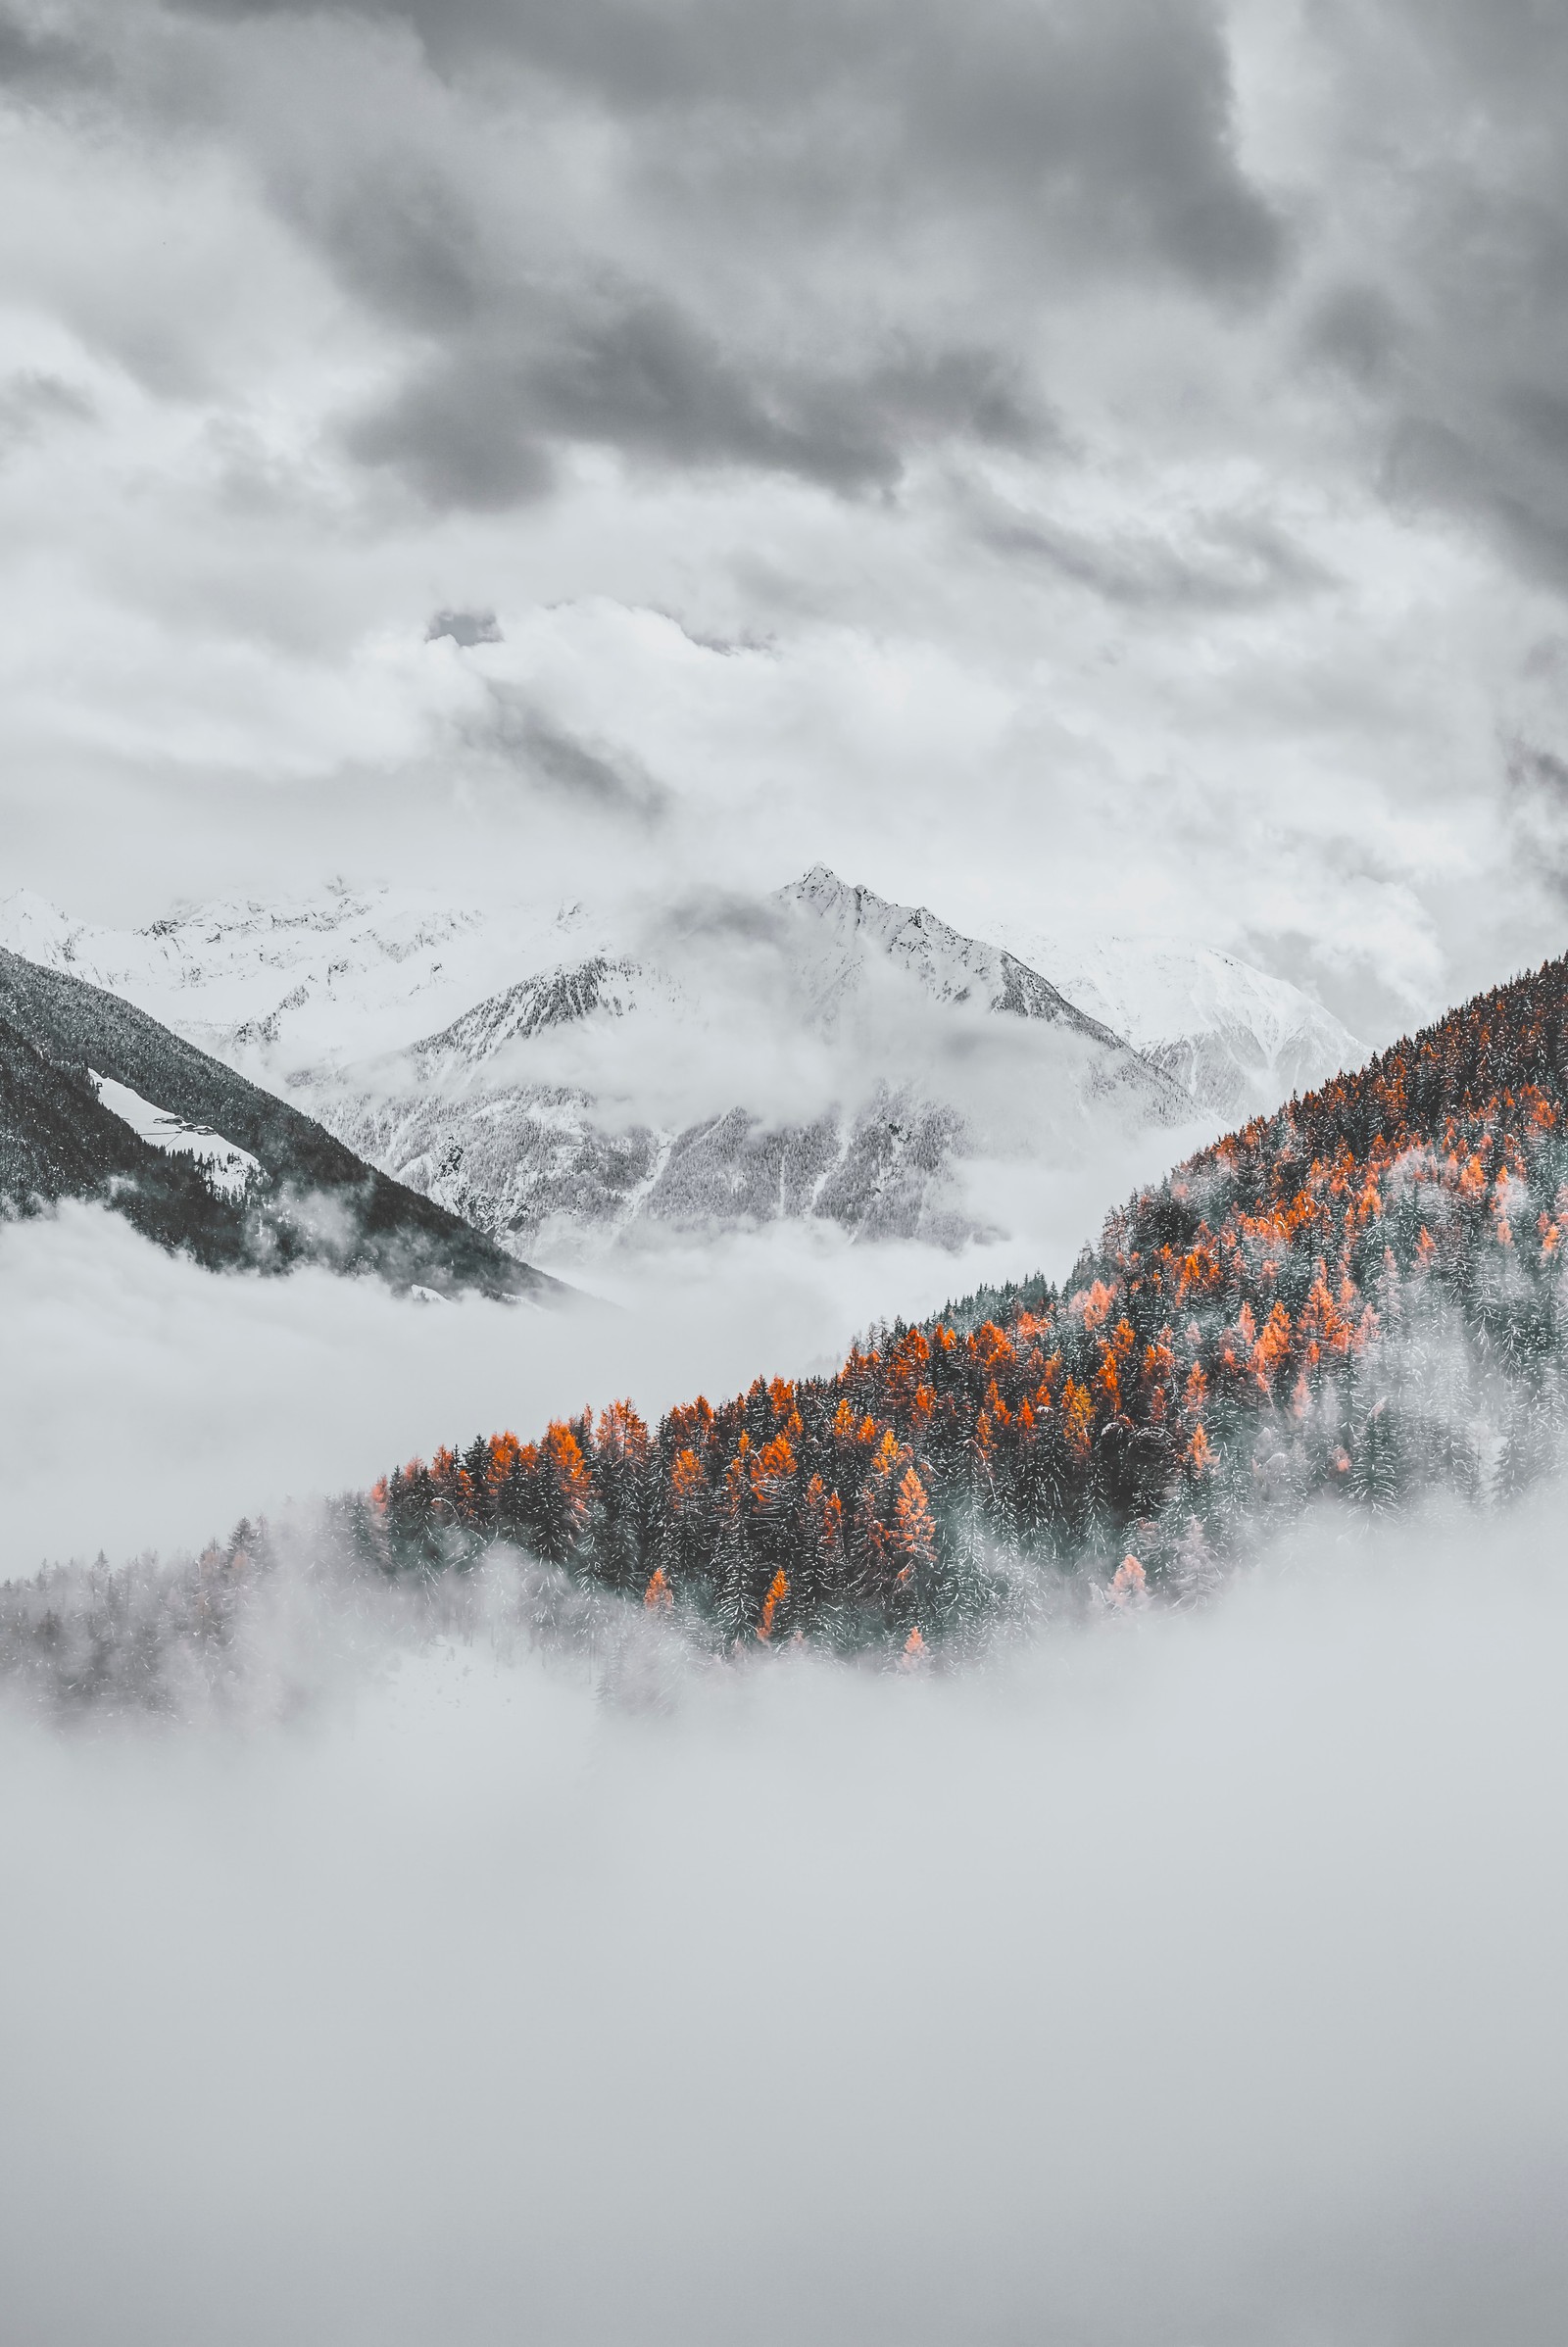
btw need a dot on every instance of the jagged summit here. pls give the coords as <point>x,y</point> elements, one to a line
<point>819,1063</point>
<point>952,967</point>
<point>552,998</point>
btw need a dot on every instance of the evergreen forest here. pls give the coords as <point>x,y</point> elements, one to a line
<point>1357,1297</point>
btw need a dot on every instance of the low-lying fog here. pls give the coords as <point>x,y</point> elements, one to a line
<point>1188,1981</point>
<point>147,1404</point>
<point>1195,1978</point>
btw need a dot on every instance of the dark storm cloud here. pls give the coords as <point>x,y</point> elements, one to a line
<point>1451,177</point>
<point>1505,45</point>
<point>30,401</point>
<point>38,61</point>
<point>1116,112</point>
<point>1357,329</point>
<point>1537,809</point>
<point>592,779</point>
<point>1041,145</point>
<point>459,433</point>
<point>1230,562</point>
<point>1072,137</point>
<point>404,237</point>
<point>1118,109</point>
<point>475,427</point>
<point>1487,471</point>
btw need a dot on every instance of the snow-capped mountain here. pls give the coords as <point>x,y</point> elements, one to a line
<point>278,985</point>
<point>845,932</point>
<point>560,1077</point>
<point>1234,1039</point>
<point>553,998</point>
<point>834,1057</point>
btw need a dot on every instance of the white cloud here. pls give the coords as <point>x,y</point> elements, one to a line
<point>1196,1979</point>
<point>1171,636</point>
<point>150,1404</point>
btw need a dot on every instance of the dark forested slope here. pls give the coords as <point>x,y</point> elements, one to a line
<point>317,1199</point>
<point>57,1141</point>
<point>1359,1296</point>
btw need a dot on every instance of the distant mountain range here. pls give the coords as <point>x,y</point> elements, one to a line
<point>819,1054</point>
<point>840,1058</point>
<point>97,1100</point>
<point>271,987</point>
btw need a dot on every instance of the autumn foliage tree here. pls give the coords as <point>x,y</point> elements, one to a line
<point>1359,1297</point>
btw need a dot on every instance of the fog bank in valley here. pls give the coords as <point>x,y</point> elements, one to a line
<point>147,1404</point>
<point>1195,1977</point>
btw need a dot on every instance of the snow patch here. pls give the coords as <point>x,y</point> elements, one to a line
<point>228,1167</point>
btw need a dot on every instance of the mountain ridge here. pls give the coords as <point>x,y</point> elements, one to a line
<point>947,962</point>
<point>880,992</point>
<point>236,975</point>
<point>585,1101</point>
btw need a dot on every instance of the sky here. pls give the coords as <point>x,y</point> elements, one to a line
<point>1096,462</point>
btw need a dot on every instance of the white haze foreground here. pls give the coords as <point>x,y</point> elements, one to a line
<point>1193,1981</point>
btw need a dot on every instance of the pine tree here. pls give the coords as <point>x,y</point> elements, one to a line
<point>733,1609</point>
<point>915,1594</point>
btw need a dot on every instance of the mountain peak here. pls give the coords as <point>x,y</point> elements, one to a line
<point>23,908</point>
<point>866,929</point>
<point>819,881</point>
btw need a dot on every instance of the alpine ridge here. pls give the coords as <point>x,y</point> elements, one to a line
<point>951,968</point>
<point>1236,1041</point>
<point>509,1114</point>
<point>822,1054</point>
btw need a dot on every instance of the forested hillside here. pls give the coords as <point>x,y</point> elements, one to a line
<point>313,1200</point>
<point>1358,1296</point>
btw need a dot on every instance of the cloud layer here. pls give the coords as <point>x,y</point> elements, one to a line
<point>1193,1979</point>
<point>151,1403</point>
<point>1132,433</point>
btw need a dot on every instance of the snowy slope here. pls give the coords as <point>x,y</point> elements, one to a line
<point>347,976</point>
<point>228,1169</point>
<point>95,1089</point>
<point>833,1055</point>
<point>843,932</point>
<point>553,998</point>
<point>273,986</point>
<point>1236,1040</point>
